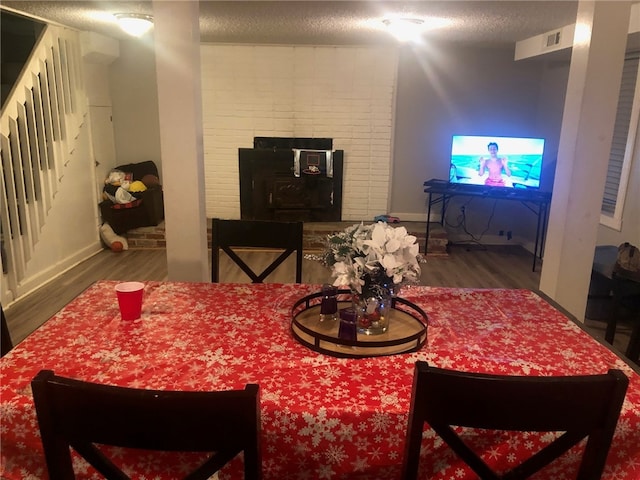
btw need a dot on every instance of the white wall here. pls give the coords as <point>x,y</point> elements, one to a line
<point>344,93</point>
<point>98,53</point>
<point>100,113</point>
<point>134,93</point>
<point>446,90</point>
<point>550,106</point>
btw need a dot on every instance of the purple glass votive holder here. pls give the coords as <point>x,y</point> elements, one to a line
<point>329,304</point>
<point>348,324</point>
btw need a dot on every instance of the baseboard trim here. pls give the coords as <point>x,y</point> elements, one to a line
<point>43,277</point>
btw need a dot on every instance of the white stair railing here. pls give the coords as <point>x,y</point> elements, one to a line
<point>38,126</point>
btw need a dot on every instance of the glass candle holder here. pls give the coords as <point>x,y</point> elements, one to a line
<point>329,304</point>
<point>348,324</point>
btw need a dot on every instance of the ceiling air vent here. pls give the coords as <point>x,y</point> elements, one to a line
<point>553,39</point>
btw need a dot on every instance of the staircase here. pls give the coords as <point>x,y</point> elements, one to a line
<point>42,113</point>
<point>19,35</point>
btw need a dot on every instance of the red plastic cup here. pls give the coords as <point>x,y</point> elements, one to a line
<point>130,299</point>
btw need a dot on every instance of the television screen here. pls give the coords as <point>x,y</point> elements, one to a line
<point>511,162</point>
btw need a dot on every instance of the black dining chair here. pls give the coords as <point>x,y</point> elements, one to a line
<point>579,406</point>
<point>5,337</point>
<point>228,235</point>
<point>625,302</point>
<point>78,414</point>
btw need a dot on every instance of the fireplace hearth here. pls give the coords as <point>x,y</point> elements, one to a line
<point>291,180</point>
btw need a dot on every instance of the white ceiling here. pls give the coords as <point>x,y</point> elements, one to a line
<point>495,23</point>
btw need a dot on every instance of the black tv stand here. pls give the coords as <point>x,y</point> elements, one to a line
<point>535,200</point>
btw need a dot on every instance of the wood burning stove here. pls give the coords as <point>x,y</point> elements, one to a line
<point>294,179</point>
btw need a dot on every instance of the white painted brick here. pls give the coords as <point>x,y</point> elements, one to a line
<point>283,91</point>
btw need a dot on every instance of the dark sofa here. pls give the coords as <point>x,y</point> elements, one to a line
<point>147,210</point>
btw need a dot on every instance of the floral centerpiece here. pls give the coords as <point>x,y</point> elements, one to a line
<point>374,261</point>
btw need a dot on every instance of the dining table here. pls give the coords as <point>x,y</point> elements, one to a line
<point>323,416</point>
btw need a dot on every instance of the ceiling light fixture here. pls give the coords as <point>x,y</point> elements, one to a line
<point>405,29</point>
<point>135,24</point>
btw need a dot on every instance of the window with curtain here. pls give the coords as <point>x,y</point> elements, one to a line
<point>623,144</point>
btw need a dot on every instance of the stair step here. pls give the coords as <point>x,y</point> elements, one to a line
<point>315,234</point>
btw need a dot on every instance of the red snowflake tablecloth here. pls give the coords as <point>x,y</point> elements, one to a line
<point>323,417</point>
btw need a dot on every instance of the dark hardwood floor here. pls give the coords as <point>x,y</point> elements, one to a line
<point>471,266</point>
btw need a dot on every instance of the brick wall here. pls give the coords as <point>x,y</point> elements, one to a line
<point>344,93</point>
<point>314,236</point>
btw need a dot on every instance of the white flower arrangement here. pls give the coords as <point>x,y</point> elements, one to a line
<point>373,256</point>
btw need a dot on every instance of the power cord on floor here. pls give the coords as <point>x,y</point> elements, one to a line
<point>461,222</point>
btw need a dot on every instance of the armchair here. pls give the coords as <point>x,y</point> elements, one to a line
<point>146,210</point>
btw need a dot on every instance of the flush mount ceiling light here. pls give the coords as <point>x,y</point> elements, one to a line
<point>134,23</point>
<point>405,29</point>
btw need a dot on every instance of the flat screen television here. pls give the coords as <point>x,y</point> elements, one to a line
<point>497,162</point>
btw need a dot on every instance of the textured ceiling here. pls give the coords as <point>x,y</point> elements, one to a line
<point>482,23</point>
